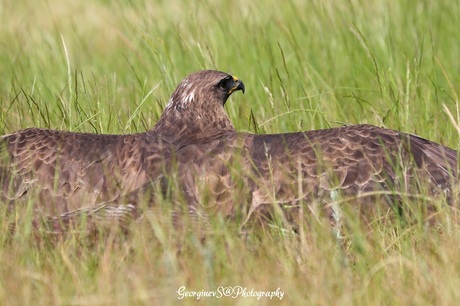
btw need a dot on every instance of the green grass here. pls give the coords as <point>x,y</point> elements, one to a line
<point>110,67</point>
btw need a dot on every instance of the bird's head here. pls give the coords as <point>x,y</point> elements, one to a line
<point>204,89</point>
<point>195,110</point>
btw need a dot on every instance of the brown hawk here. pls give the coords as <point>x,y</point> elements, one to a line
<point>221,170</point>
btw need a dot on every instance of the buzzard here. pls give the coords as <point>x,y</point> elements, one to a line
<point>220,170</point>
<point>63,171</point>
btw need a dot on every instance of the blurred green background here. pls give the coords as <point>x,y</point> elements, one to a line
<point>110,67</point>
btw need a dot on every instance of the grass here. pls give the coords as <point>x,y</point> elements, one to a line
<point>110,66</point>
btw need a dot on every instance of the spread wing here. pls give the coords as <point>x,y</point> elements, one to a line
<point>66,171</point>
<point>218,168</point>
<point>237,169</point>
<point>352,159</point>
<point>238,173</point>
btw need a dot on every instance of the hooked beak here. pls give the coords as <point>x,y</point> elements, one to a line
<point>239,85</point>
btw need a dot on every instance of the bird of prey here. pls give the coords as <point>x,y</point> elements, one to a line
<point>220,170</point>
<point>63,171</point>
<point>224,171</point>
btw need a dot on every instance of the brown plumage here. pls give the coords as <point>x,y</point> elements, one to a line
<point>63,171</point>
<point>233,173</point>
<point>360,163</point>
<point>221,170</point>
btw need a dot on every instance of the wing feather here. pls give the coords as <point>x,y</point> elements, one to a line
<point>350,160</point>
<point>74,168</point>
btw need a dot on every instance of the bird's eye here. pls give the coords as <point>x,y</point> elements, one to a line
<point>224,83</point>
